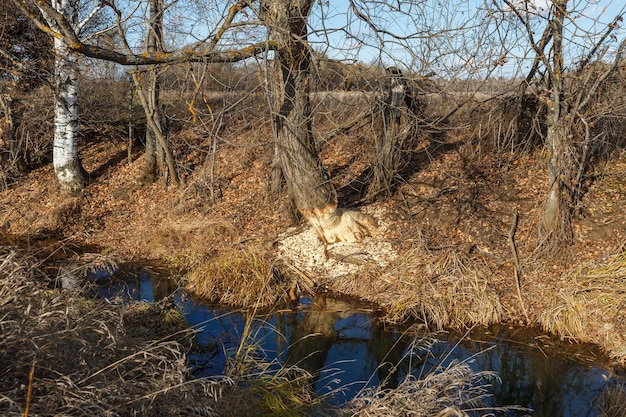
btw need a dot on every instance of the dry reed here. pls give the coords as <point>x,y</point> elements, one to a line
<point>445,292</point>
<point>238,277</point>
<point>66,355</point>
<point>612,402</point>
<point>443,391</point>
<point>590,304</point>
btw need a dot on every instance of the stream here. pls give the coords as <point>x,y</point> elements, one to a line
<point>340,342</point>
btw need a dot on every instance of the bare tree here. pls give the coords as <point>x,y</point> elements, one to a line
<point>568,94</point>
<point>306,177</point>
<point>158,157</point>
<point>420,38</point>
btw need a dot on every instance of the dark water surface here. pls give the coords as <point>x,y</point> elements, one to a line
<point>340,342</point>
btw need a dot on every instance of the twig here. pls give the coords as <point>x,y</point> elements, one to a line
<point>518,269</point>
<point>29,392</point>
<point>308,284</point>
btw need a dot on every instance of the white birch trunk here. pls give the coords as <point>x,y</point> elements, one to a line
<point>66,163</point>
<point>67,166</point>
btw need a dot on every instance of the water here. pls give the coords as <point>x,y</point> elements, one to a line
<point>343,346</point>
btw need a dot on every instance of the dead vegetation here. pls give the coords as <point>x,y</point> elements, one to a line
<point>63,354</point>
<point>238,278</point>
<point>443,253</point>
<point>445,391</point>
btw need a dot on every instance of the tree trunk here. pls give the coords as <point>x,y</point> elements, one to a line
<point>152,166</point>
<point>556,222</point>
<point>158,158</point>
<point>304,174</point>
<point>67,166</point>
<point>275,89</point>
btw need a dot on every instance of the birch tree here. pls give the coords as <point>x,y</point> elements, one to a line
<point>68,168</point>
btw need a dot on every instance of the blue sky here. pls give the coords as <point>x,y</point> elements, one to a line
<point>428,42</point>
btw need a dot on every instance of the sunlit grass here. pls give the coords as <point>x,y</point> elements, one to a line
<point>238,277</point>
<point>444,390</point>
<point>589,305</point>
<point>445,292</point>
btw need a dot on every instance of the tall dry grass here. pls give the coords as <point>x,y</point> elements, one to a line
<point>445,290</point>
<point>62,354</point>
<point>240,277</point>
<point>442,391</point>
<point>589,306</point>
<point>260,387</point>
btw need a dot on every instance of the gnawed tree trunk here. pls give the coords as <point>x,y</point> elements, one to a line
<point>304,174</point>
<point>67,166</point>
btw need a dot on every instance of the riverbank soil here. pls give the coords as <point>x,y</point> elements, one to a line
<point>446,239</point>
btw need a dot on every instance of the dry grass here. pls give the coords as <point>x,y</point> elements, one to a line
<point>74,270</point>
<point>452,390</point>
<point>258,387</point>
<point>63,354</point>
<point>185,242</point>
<point>589,306</point>
<point>612,402</point>
<point>238,277</point>
<point>445,291</point>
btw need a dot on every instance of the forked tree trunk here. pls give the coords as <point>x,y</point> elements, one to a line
<point>304,174</point>
<point>159,161</point>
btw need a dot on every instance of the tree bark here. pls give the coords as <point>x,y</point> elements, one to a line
<point>70,173</point>
<point>305,176</point>
<point>556,220</point>
<point>158,158</point>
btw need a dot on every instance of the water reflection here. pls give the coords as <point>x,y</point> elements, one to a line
<point>343,347</point>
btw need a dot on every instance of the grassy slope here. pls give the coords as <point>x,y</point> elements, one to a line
<point>447,224</point>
